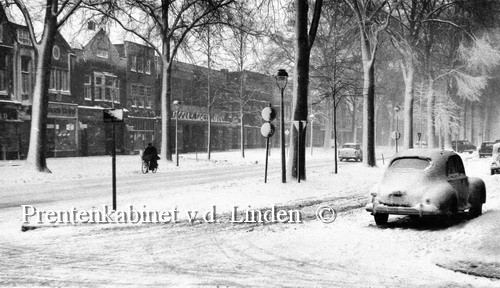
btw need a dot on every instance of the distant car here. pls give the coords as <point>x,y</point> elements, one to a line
<point>486,149</point>
<point>495,159</point>
<point>421,145</point>
<point>421,182</point>
<point>463,146</point>
<point>350,151</point>
<point>497,141</point>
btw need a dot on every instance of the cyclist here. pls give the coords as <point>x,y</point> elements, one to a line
<point>150,155</point>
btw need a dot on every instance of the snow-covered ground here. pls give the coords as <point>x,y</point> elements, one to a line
<point>350,252</point>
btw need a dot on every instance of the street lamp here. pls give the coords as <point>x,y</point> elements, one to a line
<point>176,104</point>
<point>312,117</point>
<point>281,81</point>
<point>397,109</point>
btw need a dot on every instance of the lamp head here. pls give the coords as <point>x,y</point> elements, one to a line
<point>281,78</point>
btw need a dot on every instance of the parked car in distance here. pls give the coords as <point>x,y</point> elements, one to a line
<point>463,146</point>
<point>422,144</point>
<point>486,149</point>
<point>423,182</point>
<point>350,151</point>
<point>495,159</point>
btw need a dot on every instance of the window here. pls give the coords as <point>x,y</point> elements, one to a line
<point>141,96</point>
<point>59,80</point>
<point>98,87</point>
<point>134,92</point>
<point>148,67</point>
<point>149,96</point>
<point>56,52</point>
<point>23,37</point>
<point>87,88</point>
<point>410,163</point>
<point>102,53</point>
<point>140,65</point>
<point>106,87</point>
<point>4,73</point>
<point>26,77</point>
<point>133,63</point>
<point>454,166</point>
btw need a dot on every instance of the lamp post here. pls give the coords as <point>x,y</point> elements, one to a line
<point>397,109</point>
<point>312,117</point>
<point>281,81</point>
<point>176,104</point>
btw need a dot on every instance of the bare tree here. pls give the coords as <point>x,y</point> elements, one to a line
<point>171,22</point>
<point>56,13</point>
<point>372,18</point>
<point>304,42</point>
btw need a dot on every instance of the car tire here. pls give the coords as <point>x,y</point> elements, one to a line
<point>476,211</point>
<point>492,172</point>
<point>381,218</point>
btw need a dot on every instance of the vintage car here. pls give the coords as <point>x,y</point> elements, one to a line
<point>495,159</point>
<point>486,149</point>
<point>350,151</point>
<point>462,146</point>
<point>420,182</point>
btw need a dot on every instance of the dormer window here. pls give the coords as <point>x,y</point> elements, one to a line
<point>102,53</point>
<point>23,37</point>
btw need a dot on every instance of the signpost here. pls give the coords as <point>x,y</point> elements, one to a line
<point>267,130</point>
<point>112,116</point>
<point>396,135</point>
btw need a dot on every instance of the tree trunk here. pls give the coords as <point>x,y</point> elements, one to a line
<point>166,88</point>
<point>391,127</point>
<point>472,130</point>
<point>335,134</point>
<point>242,133</point>
<point>431,118</point>
<point>36,158</point>
<point>447,134</point>
<point>296,164</point>
<point>328,125</point>
<point>369,113</point>
<point>354,127</point>
<point>409,78</point>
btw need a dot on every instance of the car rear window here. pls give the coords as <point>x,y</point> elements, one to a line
<point>487,145</point>
<point>410,163</point>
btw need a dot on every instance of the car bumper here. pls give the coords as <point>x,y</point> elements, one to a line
<point>419,209</point>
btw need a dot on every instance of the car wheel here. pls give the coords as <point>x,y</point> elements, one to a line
<point>381,218</point>
<point>476,211</point>
<point>492,172</point>
<point>470,152</point>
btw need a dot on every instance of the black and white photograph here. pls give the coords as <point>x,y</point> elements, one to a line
<point>250,143</point>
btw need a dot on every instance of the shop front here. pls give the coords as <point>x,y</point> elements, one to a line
<point>62,130</point>
<point>10,132</point>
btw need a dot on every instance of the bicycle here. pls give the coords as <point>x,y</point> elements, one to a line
<point>146,167</point>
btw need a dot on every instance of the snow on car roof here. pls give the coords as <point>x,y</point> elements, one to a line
<point>437,156</point>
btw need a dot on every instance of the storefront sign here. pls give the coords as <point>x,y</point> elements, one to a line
<point>198,116</point>
<point>62,110</point>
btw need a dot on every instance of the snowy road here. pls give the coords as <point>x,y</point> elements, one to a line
<point>350,252</point>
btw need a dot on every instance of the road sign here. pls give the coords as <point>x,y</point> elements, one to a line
<point>296,124</point>
<point>395,135</point>
<point>267,129</point>
<point>268,114</point>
